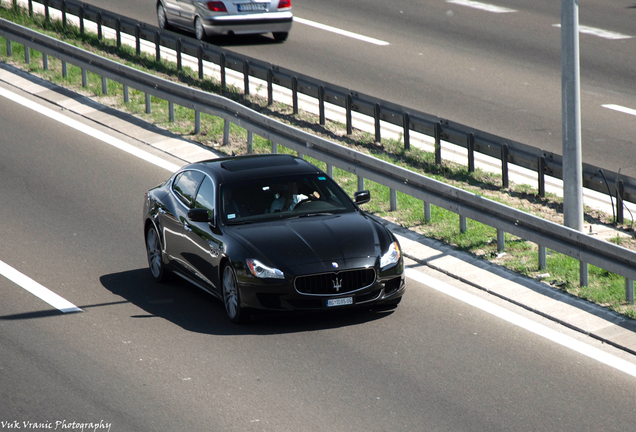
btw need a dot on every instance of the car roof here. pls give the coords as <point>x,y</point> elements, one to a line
<point>237,168</point>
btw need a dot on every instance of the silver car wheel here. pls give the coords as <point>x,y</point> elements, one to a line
<point>161,17</point>
<point>231,296</point>
<point>153,247</point>
<point>198,28</point>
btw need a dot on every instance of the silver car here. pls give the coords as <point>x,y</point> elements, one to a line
<point>227,17</point>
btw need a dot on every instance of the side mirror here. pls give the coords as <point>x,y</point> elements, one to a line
<point>362,197</point>
<point>200,215</point>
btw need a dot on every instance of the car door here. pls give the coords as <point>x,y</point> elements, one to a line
<point>172,11</point>
<point>205,242</point>
<point>187,9</point>
<point>174,223</point>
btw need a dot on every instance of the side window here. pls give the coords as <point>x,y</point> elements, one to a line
<point>185,186</point>
<point>205,197</point>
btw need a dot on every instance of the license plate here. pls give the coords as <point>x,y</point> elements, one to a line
<point>251,7</point>
<point>340,302</point>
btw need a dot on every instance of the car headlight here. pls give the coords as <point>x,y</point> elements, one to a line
<point>391,257</point>
<point>260,270</point>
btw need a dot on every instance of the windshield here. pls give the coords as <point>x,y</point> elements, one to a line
<point>282,197</point>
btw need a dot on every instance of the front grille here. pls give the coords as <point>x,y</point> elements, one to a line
<point>335,283</point>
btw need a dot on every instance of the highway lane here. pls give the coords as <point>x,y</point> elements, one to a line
<point>144,356</point>
<point>498,72</point>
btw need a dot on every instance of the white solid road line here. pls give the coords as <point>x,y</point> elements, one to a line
<point>622,109</point>
<point>37,290</point>
<point>525,323</point>
<point>605,34</point>
<point>481,6</point>
<point>340,32</point>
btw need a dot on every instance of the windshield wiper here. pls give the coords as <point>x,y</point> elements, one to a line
<point>315,214</point>
<point>239,222</point>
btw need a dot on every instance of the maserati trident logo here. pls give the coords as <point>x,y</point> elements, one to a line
<point>337,284</point>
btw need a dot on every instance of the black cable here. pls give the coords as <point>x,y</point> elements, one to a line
<point>609,192</point>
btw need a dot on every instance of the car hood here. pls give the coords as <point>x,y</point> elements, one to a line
<point>314,244</point>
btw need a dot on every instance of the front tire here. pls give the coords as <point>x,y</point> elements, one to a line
<point>162,18</point>
<point>232,296</point>
<point>280,36</point>
<point>155,258</point>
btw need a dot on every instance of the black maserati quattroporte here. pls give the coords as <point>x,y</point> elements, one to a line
<point>270,233</point>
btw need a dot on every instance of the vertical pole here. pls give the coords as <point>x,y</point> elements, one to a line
<point>197,123</point>
<point>157,46</point>
<point>31,8</point>
<point>63,13</point>
<point>543,262</point>
<point>541,174</point>
<point>360,183</point>
<point>330,170</point>
<point>392,199</point>
<point>583,273</point>
<point>118,32</point>
<point>349,114</point>
<point>427,211</point>
<point>571,116</point>
<point>620,190</point>
<point>9,48</point>
<point>504,166</point>
<point>148,105</point>
<point>629,290</point>
<point>321,105</point>
<point>270,86</point>
<point>274,148</point>
<point>501,243</point>
<point>171,112</point>
<point>104,86</point>
<point>226,132</point>
<point>45,62</point>
<point>200,61</point>
<point>463,224</point>
<point>84,78</point>
<point>438,144</point>
<point>250,142</point>
<point>294,85</point>
<point>376,118</point>
<point>126,94</point>
<point>246,77</point>
<point>138,40</point>
<point>179,62</point>
<point>470,145</point>
<point>47,13</point>
<point>64,69</point>
<point>99,26</point>
<point>81,19</point>
<point>27,55</point>
<point>406,124</point>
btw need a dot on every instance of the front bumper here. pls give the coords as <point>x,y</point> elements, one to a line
<point>274,22</point>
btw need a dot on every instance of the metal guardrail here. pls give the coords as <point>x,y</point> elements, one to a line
<point>542,162</point>
<point>585,248</point>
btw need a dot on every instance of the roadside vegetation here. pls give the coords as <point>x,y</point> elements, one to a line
<point>562,272</point>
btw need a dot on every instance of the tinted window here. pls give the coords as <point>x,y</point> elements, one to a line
<point>205,196</point>
<point>185,186</point>
<point>282,197</point>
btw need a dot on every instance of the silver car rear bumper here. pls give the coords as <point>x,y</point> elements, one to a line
<point>274,22</point>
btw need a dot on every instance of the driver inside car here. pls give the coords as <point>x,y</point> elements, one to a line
<point>289,198</point>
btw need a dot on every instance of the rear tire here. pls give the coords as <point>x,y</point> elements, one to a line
<point>280,36</point>
<point>232,296</point>
<point>199,30</point>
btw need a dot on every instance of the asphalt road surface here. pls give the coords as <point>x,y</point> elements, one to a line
<point>495,70</point>
<point>151,357</point>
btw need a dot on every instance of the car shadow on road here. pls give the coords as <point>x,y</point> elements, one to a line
<point>195,310</point>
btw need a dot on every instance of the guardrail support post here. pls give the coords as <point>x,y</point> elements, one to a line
<point>392,199</point>
<point>64,69</point>
<point>200,61</point>
<point>376,120</point>
<point>438,144</point>
<point>27,55</point>
<point>270,86</point>
<point>321,105</point>
<point>138,40</point>
<point>45,62</point>
<point>118,32</point>
<point>541,173</point>
<point>246,77</point>
<point>274,148</point>
<point>427,211</point>
<point>224,77</point>
<point>84,78</point>
<point>47,14</point>
<point>360,183</point>
<point>148,105</point>
<point>501,242</point>
<point>300,155</point>
<point>463,224</point>
<point>100,34</point>
<point>157,46</point>
<point>583,273</point>
<point>31,8</point>
<point>197,123</point>
<point>126,94</point>
<point>171,112</point>
<point>629,291</point>
<point>543,262</point>
<point>620,190</point>
<point>294,85</point>
<point>406,124</point>
<point>63,13</point>
<point>250,142</point>
<point>504,165</point>
<point>470,145</point>
<point>349,116</point>
<point>330,170</point>
<point>226,132</point>
<point>104,86</point>
<point>9,48</point>
<point>179,64</point>
<point>81,19</point>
